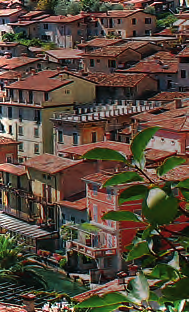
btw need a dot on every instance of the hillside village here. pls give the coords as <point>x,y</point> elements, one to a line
<point>70,84</point>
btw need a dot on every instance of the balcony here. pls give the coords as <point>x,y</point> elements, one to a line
<point>17,213</point>
<point>92,252</point>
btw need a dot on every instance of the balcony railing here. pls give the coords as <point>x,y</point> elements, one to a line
<point>16,213</point>
<point>90,251</point>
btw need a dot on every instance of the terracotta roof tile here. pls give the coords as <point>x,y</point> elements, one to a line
<point>7,141</point>
<point>13,169</point>
<point>16,62</point>
<point>8,12</point>
<point>10,75</point>
<point>65,53</point>
<point>100,42</point>
<point>116,13</point>
<point>169,96</point>
<point>80,204</point>
<point>184,52</point>
<point>50,163</point>
<point>157,155</point>
<point>42,81</point>
<point>175,124</point>
<point>82,149</point>
<point>62,19</point>
<point>115,51</point>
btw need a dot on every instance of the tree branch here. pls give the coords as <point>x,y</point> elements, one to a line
<point>144,174</point>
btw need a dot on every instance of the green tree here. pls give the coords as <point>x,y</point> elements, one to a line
<point>47,5</point>
<point>150,10</point>
<point>167,21</point>
<point>65,7</point>
<point>17,265</point>
<point>161,248</point>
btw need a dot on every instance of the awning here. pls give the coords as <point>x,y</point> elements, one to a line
<point>23,228</point>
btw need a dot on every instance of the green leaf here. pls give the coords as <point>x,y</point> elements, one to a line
<point>174,262</point>
<point>140,142</point>
<point>107,308</point>
<point>134,192</point>
<point>184,184</point>
<point>105,154</point>
<point>163,271</point>
<point>140,287</point>
<point>121,216</point>
<point>147,232</point>
<point>178,291</point>
<point>124,177</point>
<point>108,299</point>
<point>138,251</point>
<point>185,193</point>
<point>163,212</point>
<point>153,296</point>
<point>168,164</point>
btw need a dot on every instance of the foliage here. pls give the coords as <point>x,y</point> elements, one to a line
<point>161,248</point>
<point>63,263</point>
<point>46,5</point>
<point>64,7</point>
<point>150,10</point>
<point>23,39</point>
<point>17,265</point>
<point>167,21</point>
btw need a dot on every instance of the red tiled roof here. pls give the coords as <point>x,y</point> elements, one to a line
<point>82,149</point>
<point>22,23</point>
<point>184,52</point>
<point>115,79</point>
<point>42,81</point>
<point>65,53</point>
<point>115,51</point>
<point>116,13</point>
<point>165,32</point>
<point>8,44</point>
<point>50,163</point>
<point>9,75</point>
<point>7,141</point>
<point>80,204</point>
<point>157,155</point>
<point>175,124</point>
<point>11,308</point>
<point>100,42</point>
<point>161,62</point>
<point>32,13</point>
<point>62,19</point>
<point>16,62</point>
<point>169,96</point>
<point>8,12</point>
<point>13,169</point>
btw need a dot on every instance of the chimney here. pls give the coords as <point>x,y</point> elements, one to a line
<point>28,301</point>
<point>178,102</point>
<point>19,77</point>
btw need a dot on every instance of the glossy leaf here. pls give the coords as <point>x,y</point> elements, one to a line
<point>139,250</point>
<point>163,271</point>
<point>141,141</point>
<point>174,262</point>
<point>105,154</point>
<point>184,184</point>
<point>124,177</point>
<point>134,192</point>
<point>96,301</point>
<point>108,308</point>
<point>169,164</point>
<point>163,212</point>
<point>140,287</point>
<point>178,291</point>
<point>185,193</point>
<point>121,216</point>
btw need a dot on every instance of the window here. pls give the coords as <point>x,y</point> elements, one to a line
<point>20,95</point>
<point>10,112</point>
<point>45,26</point>
<point>36,148</point>
<point>36,132</point>
<point>75,138</point>
<point>46,94</point>
<point>3,21</point>
<point>21,147</point>
<point>2,128</point>
<point>93,137</point>
<point>21,160</point>
<point>134,33</point>
<point>147,32</point>
<point>78,24</point>
<point>31,97</point>
<point>102,21</point>
<point>18,182</point>
<point>60,136</point>
<point>10,129</point>
<point>95,213</point>
<point>1,110</point>
<point>98,61</point>
<point>119,21</point>
<point>9,158</point>
<point>111,63</point>
<point>37,115</point>
<point>20,114</point>
<point>20,130</point>
<point>96,24</point>
<point>133,21</point>
<point>162,140</point>
<point>73,219</point>
<point>92,63</point>
<point>7,177</point>
<point>183,73</point>
<point>11,93</point>
<point>95,189</point>
<point>109,194</point>
<point>49,192</point>
<point>44,191</point>
<point>63,218</point>
<point>148,20</point>
<point>172,142</point>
